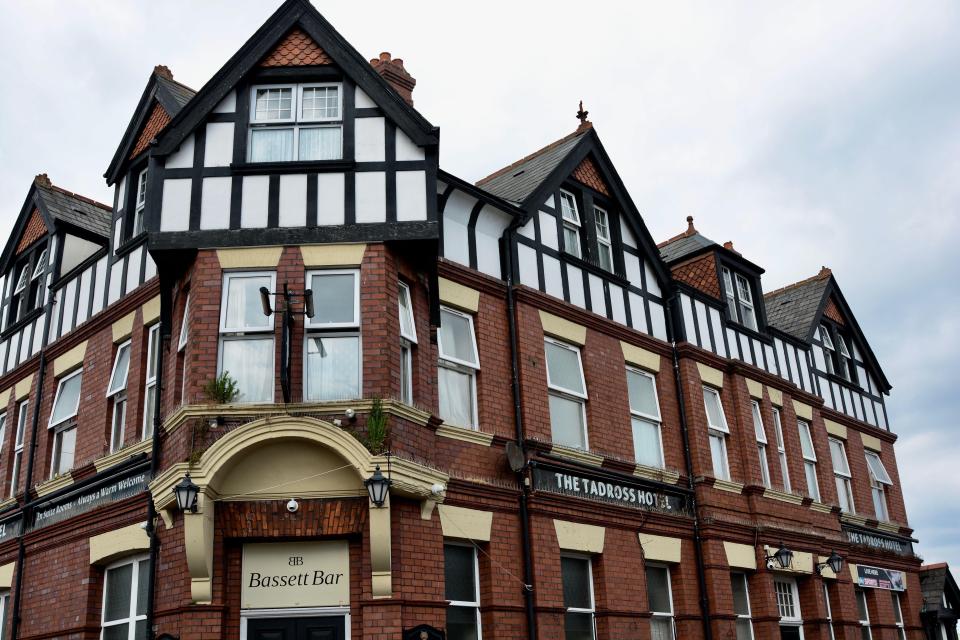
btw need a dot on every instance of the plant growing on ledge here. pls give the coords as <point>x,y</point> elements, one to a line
<point>377,429</point>
<point>223,389</point>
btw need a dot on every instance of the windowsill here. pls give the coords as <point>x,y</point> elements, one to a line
<point>464,434</point>
<point>852,518</point>
<point>658,474</point>
<point>7,503</point>
<point>129,244</point>
<point>577,455</point>
<point>123,454</point>
<point>728,485</point>
<point>783,496</point>
<point>292,166</point>
<point>54,484</point>
<point>820,507</point>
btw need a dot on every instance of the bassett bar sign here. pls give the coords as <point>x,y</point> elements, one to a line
<point>605,489</point>
<point>295,574</point>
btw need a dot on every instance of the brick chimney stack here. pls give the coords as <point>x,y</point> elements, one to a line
<point>392,70</point>
<point>42,181</point>
<point>163,71</point>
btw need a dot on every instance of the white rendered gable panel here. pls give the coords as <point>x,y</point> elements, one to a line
<point>552,280</point>
<point>182,158</point>
<point>369,139</point>
<point>133,269</point>
<point>215,203</point>
<point>254,202</point>
<point>658,321</point>
<point>293,201</point>
<point>37,333</point>
<point>362,100</point>
<point>99,288</point>
<point>3,349</point>
<point>637,313</point>
<point>411,196</point>
<point>745,348</point>
<point>490,226</point>
<point>716,328</point>
<point>175,207</point>
<point>626,234</point>
<point>652,285</point>
<point>12,352</point>
<point>218,151</point>
<point>734,344</point>
<point>330,194</point>
<point>633,269</point>
<point>527,265</point>
<point>69,293</point>
<point>84,307</point>
<point>686,306</point>
<point>548,230</point>
<point>121,192</point>
<point>116,281</point>
<point>228,104</point>
<point>371,200</point>
<point>527,230</point>
<point>771,359</point>
<point>701,311</point>
<point>150,269</point>
<point>598,304</point>
<point>617,307</point>
<point>456,216</point>
<point>757,351</point>
<point>406,149</point>
<point>575,286</point>
<point>551,202</point>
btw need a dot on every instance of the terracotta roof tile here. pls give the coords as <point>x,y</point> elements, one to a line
<point>34,230</point>
<point>296,50</point>
<point>158,119</point>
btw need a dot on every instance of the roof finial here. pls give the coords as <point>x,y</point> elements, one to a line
<point>163,71</point>
<point>824,272</point>
<point>690,228</point>
<point>42,180</point>
<point>582,117</point>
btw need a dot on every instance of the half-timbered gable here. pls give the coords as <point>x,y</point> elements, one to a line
<point>297,138</point>
<point>56,254</point>
<point>846,372</point>
<point>580,237</point>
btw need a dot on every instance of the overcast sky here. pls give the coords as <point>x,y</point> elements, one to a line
<point>809,133</point>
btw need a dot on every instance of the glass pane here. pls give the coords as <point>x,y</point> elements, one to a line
<point>578,626</point>
<point>576,583</point>
<point>785,604</point>
<point>274,104</point>
<point>320,103</point>
<point>571,240</point>
<point>271,145</point>
<point>148,411</point>
<point>458,571</point>
<point>143,584</point>
<point>790,633</point>
<point>140,632</point>
<point>865,633</point>
<point>643,394</point>
<point>877,469</point>
<point>646,443</point>
<point>67,443</point>
<point>658,590</point>
<point>714,411</point>
<point>566,422</point>
<point>406,387</point>
<point>68,396</point>
<point>244,309</point>
<point>121,365</point>
<point>117,632</point>
<point>456,396</point>
<point>741,603</point>
<point>897,614</point>
<point>813,490</point>
<point>758,423</point>
<point>250,363</point>
<point>117,597</point>
<point>462,623</point>
<point>661,628</point>
<point>333,298</point>
<point>333,368</point>
<point>718,452</point>
<point>321,143</point>
<point>568,207</point>
<point>563,368</point>
<point>862,606</point>
<point>406,314</point>
<point>806,444</point>
<point>119,422</point>
<point>603,227</point>
<point>744,629</point>
<point>456,337</point>
<point>838,457</point>
<point>153,336</point>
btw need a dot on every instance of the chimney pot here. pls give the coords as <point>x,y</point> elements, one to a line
<point>392,70</point>
<point>42,180</point>
<point>824,272</point>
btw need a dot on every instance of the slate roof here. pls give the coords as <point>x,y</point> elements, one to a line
<point>173,95</point>
<point>684,245</point>
<point>935,579</point>
<point>76,209</point>
<point>517,181</point>
<point>793,308</point>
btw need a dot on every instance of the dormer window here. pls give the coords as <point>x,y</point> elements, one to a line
<point>604,245</point>
<point>739,298</point>
<point>296,122</point>
<point>28,292</point>
<point>836,353</point>
<point>140,204</point>
<point>571,223</point>
<point>829,351</point>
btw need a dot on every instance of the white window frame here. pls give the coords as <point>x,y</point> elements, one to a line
<point>878,485</point>
<point>570,223</point>
<point>139,204</point>
<point>39,266</point>
<point>826,600</point>
<point>56,398</point>
<point>604,241</point>
<point>22,409</point>
<point>314,323</point>
<point>296,121</point>
<point>464,604</point>
<point>809,460</point>
<point>3,435</point>
<point>781,450</point>
<point>407,340</point>
<point>4,612</point>
<point>592,610</point>
<point>718,433</point>
<point>406,371</point>
<point>22,280</point>
<point>571,395</point>
<point>748,616</point>
<point>842,475</point>
<point>184,326</point>
<point>898,615</point>
<point>461,366</point>
<point>826,341</point>
<point>761,436</point>
<point>846,362</point>
<point>133,618</point>
<point>315,329</point>
<point>865,620</point>
<point>795,620</point>
<point>746,305</point>
<point>57,467</point>
<point>228,333</point>
<point>117,394</point>
<point>404,291</point>
<point>150,381</point>
<point>668,615</point>
<point>656,420</point>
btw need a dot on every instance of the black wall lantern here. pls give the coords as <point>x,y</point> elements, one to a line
<point>377,486</point>
<point>186,493</point>
<point>835,562</point>
<point>783,557</point>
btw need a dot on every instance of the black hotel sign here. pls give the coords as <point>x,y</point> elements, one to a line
<point>878,541</point>
<point>601,488</point>
<point>112,489</point>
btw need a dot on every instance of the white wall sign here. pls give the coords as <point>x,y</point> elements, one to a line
<point>296,574</point>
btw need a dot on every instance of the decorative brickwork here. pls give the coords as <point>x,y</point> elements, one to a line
<point>587,173</point>
<point>34,230</point>
<point>700,273</point>
<point>296,50</point>
<point>157,121</point>
<point>832,312</point>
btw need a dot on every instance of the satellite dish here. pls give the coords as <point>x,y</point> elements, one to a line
<point>515,457</point>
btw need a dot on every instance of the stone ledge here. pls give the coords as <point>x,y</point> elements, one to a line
<point>667,476</point>
<point>820,507</point>
<point>727,485</point>
<point>54,484</point>
<point>782,496</point>
<point>115,458</point>
<point>465,435</point>
<point>577,455</point>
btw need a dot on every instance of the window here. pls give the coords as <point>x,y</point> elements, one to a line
<point>462,591</point>
<point>829,352</point>
<point>36,281</point>
<point>184,326</point>
<point>879,481</point>
<point>150,379</point>
<point>660,601</point>
<point>3,433</point>
<point>841,471</point>
<point>741,605</point>
<point>788,606</point>
<point>718,431</point>
<point>898,616</point>
<point>117,394</point>
<point>645,416</point>
<point>829,610</point>
<point>408,338</point>
<point>67,399</point>
<point>604,245</point>
<point>18,446</point>
<point>863,612</point>
<point>781,450</point>
<point>761,444</point>
<point>739,299</point>
<point>333,336</point>
<point>125,588</point>
<point>577,575</point>
<point>64,448</point>
<point>246,335</point>
<point>140,204</point>
<point>28,291</point>
<point>567,395</point>
<point>809,460</point>
<point>571,223</point>
<point>843,356</point>
<point>296,122</point>
<point>458,366</point>
<point>4,613</point>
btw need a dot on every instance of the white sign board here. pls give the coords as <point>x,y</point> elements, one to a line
<point>296,574</point>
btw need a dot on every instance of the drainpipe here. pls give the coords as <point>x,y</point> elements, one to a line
<point>154,468</point>
<point>697,539</point>
<point>506,245</point>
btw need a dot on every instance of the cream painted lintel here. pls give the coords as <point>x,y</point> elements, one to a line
<point>776,396</point>
<point>70,360</point>
<point>471,524</point>
<point>54,484</point>
<point>835,429</point>
<point>871,442</point>
<point>820,507</point>
<point>6,575</point>
<point>576,536</point>
<point>564,329</point>
<point>660,548</point>
<point>726,485</point>
<point>668,476</point>
<point>782,496</point>
<point>456,295</point>
<point>740,556</point>
<point>117,457</point>
<point>22,389</point>
<point>5,397</point>
<point>710,376</point>
<point>802,410</point>
<point>755,389</point>
<point>123,328</point>
<point>577,455</point>
<point>150,310</point>
<point>249,257</point>
<point>332,255</point>
<point>118,543</point>
<point>640,357</point>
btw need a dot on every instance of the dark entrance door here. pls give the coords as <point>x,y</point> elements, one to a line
<point>323,628</point>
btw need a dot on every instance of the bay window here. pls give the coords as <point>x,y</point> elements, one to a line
<point>125,586</point>
<point>63,422</point>
<point>863,613</point>
<point>841,472</point>
<point>22,409</point>
<point>462,591</point>
<point>718,432</point>
<point>457,369</point>
<point>741,605</point>
<point>576,574</point>
<point>809,460</point>
<point>333,336</point>
<point>408,338</point>
<point>739,296</point>
<point>660,602</point>
<point>296,122</point>
<point>150,379</point>
<point>879,481</point>
<point>781,450</point>
<point>567,394</point>
<point>645,418</point>
<point>571,223</point>
<point>117,395</point>
<point>246,335</point>
<point>788,606</point>
<point>604,245</point>
<point>761,436</point>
